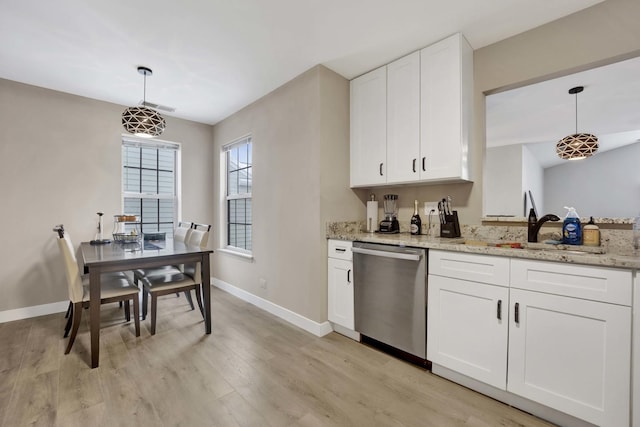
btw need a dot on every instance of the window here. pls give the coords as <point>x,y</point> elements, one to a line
<point>238,180</point>
<point>149,183</point>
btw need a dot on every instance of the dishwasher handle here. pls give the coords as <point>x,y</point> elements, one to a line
<point>387,254</point>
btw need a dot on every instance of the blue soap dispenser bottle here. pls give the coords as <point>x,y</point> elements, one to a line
<point>571,228</point>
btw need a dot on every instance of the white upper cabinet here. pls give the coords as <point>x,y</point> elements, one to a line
<point>446,93</point>
<point>403,119</point>
<point>410,120</point>
<point>369,128</point>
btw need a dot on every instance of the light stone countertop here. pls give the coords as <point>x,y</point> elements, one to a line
<point>614,257</point>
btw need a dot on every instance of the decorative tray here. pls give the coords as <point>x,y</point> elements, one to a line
<point>127,237</point>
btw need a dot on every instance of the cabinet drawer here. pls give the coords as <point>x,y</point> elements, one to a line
<point>477,268</point>
<point>579,281</point>
<point>340,249</point>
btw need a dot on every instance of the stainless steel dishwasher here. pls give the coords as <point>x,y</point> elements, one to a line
<point>390,284</point>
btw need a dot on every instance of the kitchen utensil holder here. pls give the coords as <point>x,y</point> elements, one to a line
<point>451,226</point>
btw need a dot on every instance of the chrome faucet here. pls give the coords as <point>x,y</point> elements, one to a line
<point>535,224</point>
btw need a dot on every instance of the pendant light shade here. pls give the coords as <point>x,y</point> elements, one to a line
<point>141,120</point>
<point>579,145</point>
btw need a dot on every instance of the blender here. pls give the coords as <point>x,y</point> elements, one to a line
<point>390,222</point>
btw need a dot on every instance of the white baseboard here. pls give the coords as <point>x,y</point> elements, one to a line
<point>317,329</point>
<point>33,311</point>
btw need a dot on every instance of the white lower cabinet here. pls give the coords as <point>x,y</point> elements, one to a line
<point>341,292</point>
<point>467,328</point>
<point>340,284</point>
<point>570,345</point>
<point>568,329</point>
<point>572,355</point>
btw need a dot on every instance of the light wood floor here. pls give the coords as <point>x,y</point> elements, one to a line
<point>253,370</point>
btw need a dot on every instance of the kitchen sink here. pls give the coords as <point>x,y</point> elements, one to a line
<point>493,244</point>
<point>568,249</point>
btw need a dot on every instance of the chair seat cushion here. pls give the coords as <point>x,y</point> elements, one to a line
<point>159,275</point>
<point>104,277</point>
<point>171,280</point>
<point>164,270</point>
<point>112,286</point>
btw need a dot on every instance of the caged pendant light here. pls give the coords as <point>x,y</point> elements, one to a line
<point>141,120</point>
<point>579,145</point>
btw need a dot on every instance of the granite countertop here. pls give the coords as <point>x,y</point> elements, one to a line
<point>611,258</point>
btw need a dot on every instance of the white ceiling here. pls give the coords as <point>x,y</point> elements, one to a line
<point>541,114</point>
<point>212,57</point>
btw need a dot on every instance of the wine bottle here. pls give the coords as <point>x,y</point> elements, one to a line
<point>416,222</point>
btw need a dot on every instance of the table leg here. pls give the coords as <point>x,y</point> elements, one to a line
<point>94,315</point>
<point>206,292</point>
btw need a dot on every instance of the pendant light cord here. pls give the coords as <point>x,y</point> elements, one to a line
<point>144,94</point>
<point>576,110</point>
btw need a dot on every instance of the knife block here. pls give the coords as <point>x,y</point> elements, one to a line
<point>451,226</point>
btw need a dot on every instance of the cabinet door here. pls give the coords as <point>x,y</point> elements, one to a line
<point>446,77</point>
<point>369,128</point>
<point>403,119</point>
<point>571,354</point>
<point>467,328</point>
<point>340,293</point>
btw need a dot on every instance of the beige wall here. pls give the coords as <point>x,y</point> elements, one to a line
<point>60,163</point>
<point>300,180</point>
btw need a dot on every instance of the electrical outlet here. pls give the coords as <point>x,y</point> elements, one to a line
<point>429,206</point>
<point>263,283</point>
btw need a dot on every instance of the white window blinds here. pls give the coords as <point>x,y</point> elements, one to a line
<point>239,163</point>
<point>149,183</point>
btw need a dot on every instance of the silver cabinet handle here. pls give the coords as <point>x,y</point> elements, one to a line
<point>380,169</point>
<point>385,254</point>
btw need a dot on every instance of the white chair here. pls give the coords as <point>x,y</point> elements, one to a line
<point>114,288</point>
<point>182,231</point>
<point>168,281</point>
<point>85,282</point>
<point>180,234</point>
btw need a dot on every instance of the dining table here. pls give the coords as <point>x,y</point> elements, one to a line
<point>117,256</point>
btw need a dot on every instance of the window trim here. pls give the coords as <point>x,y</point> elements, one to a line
<point>224,217</point>
<point>132,141</point>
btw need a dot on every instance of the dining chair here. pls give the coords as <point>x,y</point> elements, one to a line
<point>199,236</point>
<point>180,234</point>
<point>114,288</point>
<point>85,282</point>
<point>171,280</point>
<point>182,231</point>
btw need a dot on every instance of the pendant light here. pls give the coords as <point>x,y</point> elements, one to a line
<point>141,120</point>
<point>579,145</point>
